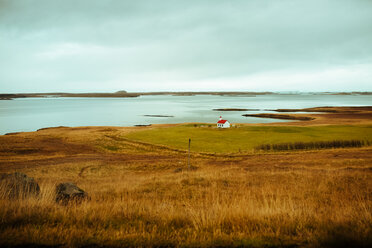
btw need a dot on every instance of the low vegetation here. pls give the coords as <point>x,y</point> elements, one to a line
<point>312,145</point>
<point>245,139</point>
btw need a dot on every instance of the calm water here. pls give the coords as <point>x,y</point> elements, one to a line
<point>30,114</point>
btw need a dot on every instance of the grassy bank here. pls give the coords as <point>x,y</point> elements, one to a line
<point>207,138</point>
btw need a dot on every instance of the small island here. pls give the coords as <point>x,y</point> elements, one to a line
<point>280,116</point>
<point>158,115</point>
<point>235,109</point>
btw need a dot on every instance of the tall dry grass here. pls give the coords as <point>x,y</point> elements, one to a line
<point>213,206</point>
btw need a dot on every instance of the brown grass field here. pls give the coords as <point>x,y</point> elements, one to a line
<point>311,198</point>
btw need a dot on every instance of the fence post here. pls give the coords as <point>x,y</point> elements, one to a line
<point>188,160</point>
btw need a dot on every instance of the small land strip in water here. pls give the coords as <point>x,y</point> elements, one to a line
<point>321,116</point>
<point>234,109</point>
<point>282,117</point>
<point>348,109</point>
<point>158,115</point>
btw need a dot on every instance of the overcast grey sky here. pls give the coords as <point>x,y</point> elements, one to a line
<point>250,45</point>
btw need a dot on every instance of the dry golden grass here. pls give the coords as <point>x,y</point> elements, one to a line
<point>312,199</point>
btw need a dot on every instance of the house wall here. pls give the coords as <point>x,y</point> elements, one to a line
<point>226,125</point>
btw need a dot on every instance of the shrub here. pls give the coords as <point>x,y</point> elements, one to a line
<point>312,145</point>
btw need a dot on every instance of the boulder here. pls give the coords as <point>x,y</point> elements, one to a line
<point>18,185</point>
<point>69,192</point>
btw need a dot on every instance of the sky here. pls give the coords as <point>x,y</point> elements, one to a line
<point>176,45</point>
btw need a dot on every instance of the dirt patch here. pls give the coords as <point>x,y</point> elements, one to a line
<point>319,159</point>
<point>82,159</point>
<point>41,145</point>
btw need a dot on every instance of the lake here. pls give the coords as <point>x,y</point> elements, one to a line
<point>30,114</point>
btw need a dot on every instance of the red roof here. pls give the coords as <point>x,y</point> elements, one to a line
<point>222,121</point>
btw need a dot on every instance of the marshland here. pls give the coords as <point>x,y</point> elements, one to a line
<point>142,192</point>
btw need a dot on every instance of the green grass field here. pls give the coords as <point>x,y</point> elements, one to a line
<point>244,139</point>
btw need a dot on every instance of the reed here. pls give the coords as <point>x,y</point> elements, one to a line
<point>312,145</point>
<point>209,207</point>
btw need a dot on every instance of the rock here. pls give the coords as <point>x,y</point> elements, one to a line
<point>178,170</point>
<point>67,192</point>
<point>18,185</point>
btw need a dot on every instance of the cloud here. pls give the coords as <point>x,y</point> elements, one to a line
<point>148,45</point>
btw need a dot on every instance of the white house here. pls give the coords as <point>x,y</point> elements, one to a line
<point>223,123</point>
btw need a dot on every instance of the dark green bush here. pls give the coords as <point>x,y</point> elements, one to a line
<point>312,145</point>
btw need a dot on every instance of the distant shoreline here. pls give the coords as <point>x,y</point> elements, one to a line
<point>124,94</point>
